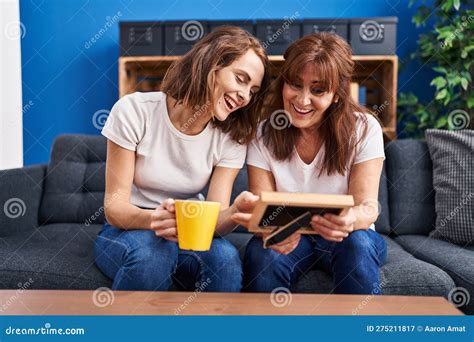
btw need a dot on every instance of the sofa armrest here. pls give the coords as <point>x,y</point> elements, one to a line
<point>20,197</point>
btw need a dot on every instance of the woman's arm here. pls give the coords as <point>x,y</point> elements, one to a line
<point>119,171</point>
<point>364,187</point>
<point>364,183</point>
<point>119,212</point>
<point>220,190</point>
<point>263,180</point>
<point>259,180</point>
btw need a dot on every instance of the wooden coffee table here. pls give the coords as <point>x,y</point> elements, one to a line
<point>106,302</point>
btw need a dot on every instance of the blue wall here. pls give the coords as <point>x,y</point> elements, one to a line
<point>67,82</point>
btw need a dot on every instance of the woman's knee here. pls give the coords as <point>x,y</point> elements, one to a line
<point>225,251</point>
<point>152,253</point>
<point>224,261</point>
<point>150,266</point>
<point>137,259</point>
<point>257,257</point>
<point>361,248</point>
<point>264,269</point>
<point>357,244</point>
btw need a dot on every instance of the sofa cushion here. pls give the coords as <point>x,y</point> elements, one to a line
<point>20,199</point>
<point>54,256</point>
<point>402,274</point>
<point>75,181</point>
<point>456,261</point>
<point>453,182</point>
<point>410,187</point>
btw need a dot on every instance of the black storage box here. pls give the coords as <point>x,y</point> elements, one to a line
<point>180,36</point>
<point>277,35</point>
<point>336,26</point>
<point>373,36</point>
<point>247,25</point>
<point>142,38</point>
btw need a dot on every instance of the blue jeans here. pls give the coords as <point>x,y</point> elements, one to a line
<point>139,260</point>
<point>354,263</point>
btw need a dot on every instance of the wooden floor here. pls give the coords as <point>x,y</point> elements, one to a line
<point>72,302</point>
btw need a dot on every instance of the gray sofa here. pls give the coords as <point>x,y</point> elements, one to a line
<point>50,239</point>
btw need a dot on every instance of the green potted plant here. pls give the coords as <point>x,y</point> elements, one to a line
<point>449,49</point>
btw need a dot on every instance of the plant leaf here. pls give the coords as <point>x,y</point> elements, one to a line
<point>470,102</point>
<point>440,69</point>
<point>457,4</point>
<point>441,122</point>
<point>439,82</point>
<point>442,94</point>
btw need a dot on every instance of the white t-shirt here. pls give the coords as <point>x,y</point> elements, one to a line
<point>169,163</point>
<point>295,175</point>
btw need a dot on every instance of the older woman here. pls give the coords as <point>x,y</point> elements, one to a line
<point>326,144</point>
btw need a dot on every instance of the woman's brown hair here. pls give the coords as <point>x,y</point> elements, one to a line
<point>332,57</point>
<point>190,80</point>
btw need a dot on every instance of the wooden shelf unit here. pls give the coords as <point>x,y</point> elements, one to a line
<point>378,74</point>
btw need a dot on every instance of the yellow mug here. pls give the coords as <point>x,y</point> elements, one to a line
<point>196,222</point>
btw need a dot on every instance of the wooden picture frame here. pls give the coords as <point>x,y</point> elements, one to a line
<point>276,209</point>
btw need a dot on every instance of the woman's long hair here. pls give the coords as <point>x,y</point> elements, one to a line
<point>191,79</point>
<point>332,57</point>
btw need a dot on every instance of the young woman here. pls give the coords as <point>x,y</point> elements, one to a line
<point>325,145</point>
<point>169,145</point>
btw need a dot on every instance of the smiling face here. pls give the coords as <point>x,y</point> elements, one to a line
<point>236,84</point>
<point>307,98</point>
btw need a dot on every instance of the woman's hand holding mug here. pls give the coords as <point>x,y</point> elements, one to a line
<point>163,221</point>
